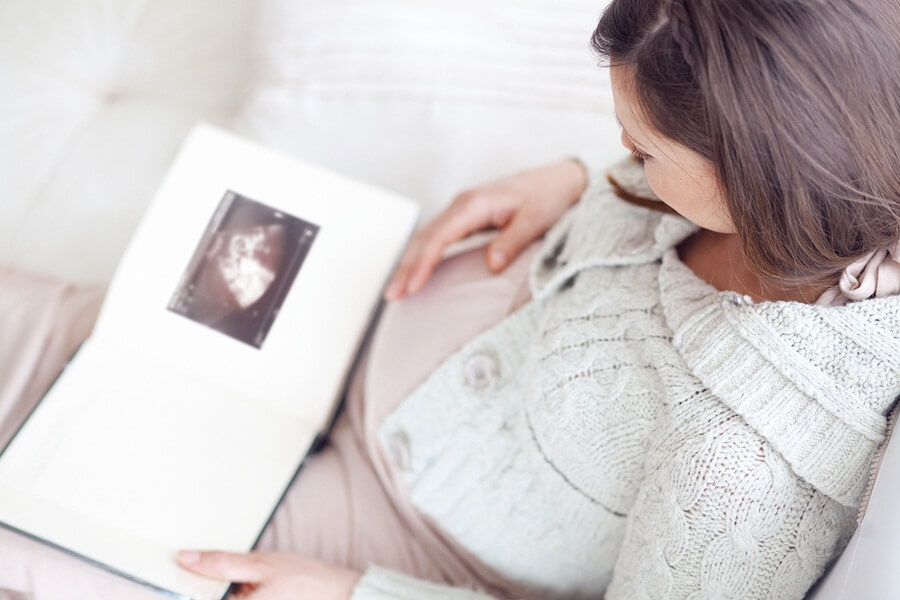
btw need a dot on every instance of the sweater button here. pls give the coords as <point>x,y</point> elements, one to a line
<point>398,450</point>
<point>636,245</point>
<point>736,299</point>
<point>480,372</point>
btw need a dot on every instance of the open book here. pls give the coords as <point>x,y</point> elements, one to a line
<point>219,356</point>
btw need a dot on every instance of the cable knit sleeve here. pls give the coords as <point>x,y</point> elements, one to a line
<point>383,584</point>
<point>720,514</point>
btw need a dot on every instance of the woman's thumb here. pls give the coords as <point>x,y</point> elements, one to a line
<point>228,566</point>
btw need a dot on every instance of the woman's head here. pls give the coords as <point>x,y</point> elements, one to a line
<point>775,119</point>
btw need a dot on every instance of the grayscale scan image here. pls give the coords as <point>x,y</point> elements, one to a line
<point>243,268</point>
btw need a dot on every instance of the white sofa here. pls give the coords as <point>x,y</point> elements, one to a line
<point>424,98</point>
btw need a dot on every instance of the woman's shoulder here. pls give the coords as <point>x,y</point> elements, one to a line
<point>850,351</point>
<point>813,380</point>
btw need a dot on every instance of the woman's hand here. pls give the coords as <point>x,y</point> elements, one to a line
<point>274,575</point>
<point>523,206</point>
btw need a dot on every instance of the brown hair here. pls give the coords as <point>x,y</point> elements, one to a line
<point>796,103</point>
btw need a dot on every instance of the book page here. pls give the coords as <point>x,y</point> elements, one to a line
<point>257,273</point>
<point>154,564</point>
<point>125,464</point>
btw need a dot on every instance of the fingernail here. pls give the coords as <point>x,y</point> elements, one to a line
<point>498,259</point>
<point>394,290</point>
<point>188,557</point>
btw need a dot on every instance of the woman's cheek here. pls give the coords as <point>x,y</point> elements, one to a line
<point>657,183</point>
<point>693,197</point>
<point>676,193</point>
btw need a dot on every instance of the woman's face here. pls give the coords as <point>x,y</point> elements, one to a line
<point>678,176</point>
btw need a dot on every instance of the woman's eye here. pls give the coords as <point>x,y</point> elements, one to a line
<point>641,156</point>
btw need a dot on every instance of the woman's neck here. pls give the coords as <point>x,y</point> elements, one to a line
<point>717,259</point>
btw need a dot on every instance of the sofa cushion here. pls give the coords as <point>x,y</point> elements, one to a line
<point>97,95</point>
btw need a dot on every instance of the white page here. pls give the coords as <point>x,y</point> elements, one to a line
<point>94,539</point>
<point>126,466</point>
<point>303,362</point>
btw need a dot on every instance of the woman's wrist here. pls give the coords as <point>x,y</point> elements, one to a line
<point>579,177</point>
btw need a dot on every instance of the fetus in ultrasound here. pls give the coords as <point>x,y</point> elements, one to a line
<point>243,268</point>
<point>245,263</point>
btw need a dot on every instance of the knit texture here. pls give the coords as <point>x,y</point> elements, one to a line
<point>635,433</point>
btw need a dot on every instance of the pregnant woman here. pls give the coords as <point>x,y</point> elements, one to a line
<point>677,393</point>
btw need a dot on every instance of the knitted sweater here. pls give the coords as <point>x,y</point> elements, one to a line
<point>633,432</point>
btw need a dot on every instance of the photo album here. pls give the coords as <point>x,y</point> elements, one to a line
<point>219,357</point>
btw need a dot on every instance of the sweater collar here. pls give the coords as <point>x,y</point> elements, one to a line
<point>815,381</point>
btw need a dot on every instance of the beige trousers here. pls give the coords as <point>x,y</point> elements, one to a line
<point>346,506</point>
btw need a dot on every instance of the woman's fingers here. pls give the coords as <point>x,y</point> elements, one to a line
<point>397,287</point>
<point>228,566</point>
<point>523,229</point>
<point>427,259</point>
<point>470,212</point>
<point>523,206</point>
<point>421,246</point>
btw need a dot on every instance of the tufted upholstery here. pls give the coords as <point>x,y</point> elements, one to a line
<point>97,94</point>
